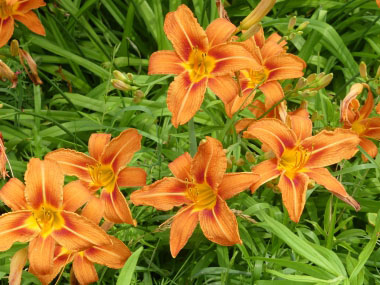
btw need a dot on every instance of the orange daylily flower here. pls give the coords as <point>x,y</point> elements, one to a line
<point>356,118</point>
<point>275,64</point>
<point>20,10</point>
<point>105,169</point>
<point>203,186</point>
<point>201,59</point>
<point>42,216</point>
<point>300,157</point>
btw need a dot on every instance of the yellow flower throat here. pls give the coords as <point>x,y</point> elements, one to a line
<point>48,218</point>
<point>294,160</point>
<point>8,8</point>
<point>199,65</point>
<point>203,196</point>
<point>102,176</point>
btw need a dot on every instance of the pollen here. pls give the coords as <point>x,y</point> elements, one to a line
<point>8,8</point>
<point>294,160</point>
<point>102,176</point>
<point>358,127</point>
<point>203,196</point>
<point>199,65</point>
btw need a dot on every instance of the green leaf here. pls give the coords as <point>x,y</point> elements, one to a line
<point>128,269</point>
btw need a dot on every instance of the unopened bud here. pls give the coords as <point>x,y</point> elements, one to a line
<point>299,33</point>
<point>292,23</point>
<point>250,157</point>
<point>14,48</point>
<point>301,83</point>
<point>130,76</point>
<point>325,80</point>
<point>202,141</point>
<point>120,85</point>
<point>136,100</point>
<point>363,70</point>
<point>378,91</point>
<point>250,32</point>
<point>119,75</point>
<point>139,94</point>
<point>311,77</point>
<point>240,162</point>
<point>288,87</point>
<point>7,73</point>
<point>303,26</point>
<point>229,163</point>
<point>291,36</point>
<point>232,158</point>
<point>378,72</point>
<point>257,14</point>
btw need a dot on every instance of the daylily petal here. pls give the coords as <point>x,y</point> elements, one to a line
<point>79,233</point>
<point>284,67</point>
<point>131,177</point>
<point>367,108</point>
<point>163,194</point>
<point>97,144</point>
<point>116,209</point>
<point>271,47</point>
<point>94,210</point>
<point>259,37</point>
<point>73,163</point>
<point>323,177</point>
<point>219,224</point>
<point>165,62</point>
<point>84,270</point>
<point>113,255</point>
<point>267,170</point>
<point>372,128</point>
<point>273,133</point>
<point>369,147</point>
<point>239,102</point>
<point>273,93</point>
<point>330,147</point>
<point>225,87</point>
<point>219,31</point>
<point>184,32</point>
<point>294,194</point>
<point>6,30</point>
<point>40,254</point>
<point>210,163</point>
<point>185,98</point>
<point>29,5</point>
<point>231,57</point>
<point>121,149</point>
<point>243,124</point>
<point>75,194</point>
<point>355,90</point>
<point>182,228</point>
<point>12,194</point>
<point>32,22</point>
<point>301,126</point>
<point>16,226</point>
<point>18,262</point>
<point>44,182</point>
<point>234,183</point>
<point>180,167</point>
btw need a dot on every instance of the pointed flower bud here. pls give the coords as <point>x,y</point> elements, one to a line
<point>257,14</point>
<point>32,71</point>
<point>7,73</point>
<point>120,85</point>
<point>119,75</point>
<point>251,32</point>
<point>363,70</point>
<point>14,48</point>
<point>292,23</point>
<point>303,26</point>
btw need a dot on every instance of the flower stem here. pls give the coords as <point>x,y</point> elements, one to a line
<point>192,138</point>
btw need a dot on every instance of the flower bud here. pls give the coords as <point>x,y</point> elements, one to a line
<point>303,26</point>
<point>240,162</point>
<point>119,75</point>
<point>139,94</point>
<point>311,77</point>
<point>7,73</point>
<point>325,80</point>
<point>130,76</point>
<point>250,157</point>
<point>292,23</point>
<point>251,32</point>
<point>14,48</point>
<point>301,83</point>
<point>32,71</point>
<point>120,85</point>
<point>363,70</point>
<point>257,14</point>
<point>378,72</point>
<point>229,163</point>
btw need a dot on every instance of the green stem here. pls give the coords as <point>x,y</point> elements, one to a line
<point>192,138</point>
<point>330,234</point>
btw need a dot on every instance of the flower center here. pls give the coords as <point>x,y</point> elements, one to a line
<point>48,218</point>
<point>199,65</point>
<point>102,175</point>
<point>293,160</point>
<point>358,128</point>
<point>203,196</point>
<point>8,8</point>
<point>255,77</point>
